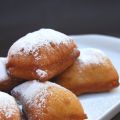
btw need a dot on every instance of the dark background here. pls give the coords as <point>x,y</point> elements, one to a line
<point>69,16</point>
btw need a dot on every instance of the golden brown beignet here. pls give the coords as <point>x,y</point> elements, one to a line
<point>92,72</point>
<point>48,101</point>
<point>41,55</point>
<point>6,83</point>
<point>8,108</point>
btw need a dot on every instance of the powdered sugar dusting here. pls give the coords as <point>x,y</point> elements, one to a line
<point>34,93</point>
<point>29,89</point>
<point>3,71</point>
<point>91,56</point>
<point>41,38</point>
<point>41,73</point>
<point>40,99</point>
<point>7,105</point>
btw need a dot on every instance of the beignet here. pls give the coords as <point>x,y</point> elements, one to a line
<point>6,82</point>
<point>8,108</point>
<point>41,55</point>
<point>92,72</point>
<point>48,101</point>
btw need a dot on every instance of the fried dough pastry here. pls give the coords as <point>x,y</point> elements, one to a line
<point>8,108</point>
<point>6,83</point>
<point>48,101</point>
<point>92,72</point>
<point>41,55</point>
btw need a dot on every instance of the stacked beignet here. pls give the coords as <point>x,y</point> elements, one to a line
<point>8,108</point>
<point>6,82</point>
<point>48,101</point>
<point>92,72</point>
<point>46,54</point>
<point>41,55</point>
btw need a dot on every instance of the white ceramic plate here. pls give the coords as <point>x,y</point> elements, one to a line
<point>102,106</point>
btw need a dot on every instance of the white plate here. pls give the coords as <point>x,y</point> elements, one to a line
<point>102,106</point>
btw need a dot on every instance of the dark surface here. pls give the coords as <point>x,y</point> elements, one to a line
<point>69,16</point>
<point>117,117</point>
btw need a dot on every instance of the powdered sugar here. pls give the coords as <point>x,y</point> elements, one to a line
<point>41,73</point>
<point>30,88</point>
<point>3,71</point>
<point>91,56</point>
<point>34,95</point>
<point>41,38</point>
<point>8,105</point>
<point>34,92</point>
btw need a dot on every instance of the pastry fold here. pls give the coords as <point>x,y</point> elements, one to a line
<point>41,55</point>
<point>6,82</point>
<point>48,101</point>
<point>92,72</point>
<point>8,108</point>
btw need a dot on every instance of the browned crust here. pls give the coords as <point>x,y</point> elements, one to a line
<point>9,84</point>
<point>49,55</point>
<point>90,78</point>
<point>61,104</point>
<point>15,115</point>
<point>21,70</point>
